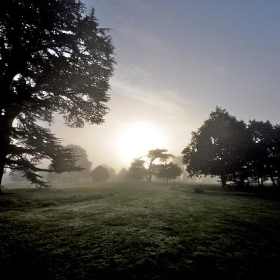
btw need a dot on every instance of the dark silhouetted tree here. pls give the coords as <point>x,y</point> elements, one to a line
<point>153,155</point>
<point>168,171</point>
<point>218,148</point>
<point>275,156</point>
<point>54,58</point>
<point>82,161</point>
<point>100,174</point>
<point>260,163</point>
<point>138,165</point>
<point>17,177</point>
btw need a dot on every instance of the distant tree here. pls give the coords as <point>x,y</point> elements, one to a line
<point>122,175</point>
<point>137,170</point>
<point>153,155</point>
<point>112,172</point>
<point>179,161</point>
<point>169,171</point>
<point>218,148</point>
<point>54,58</point>
<point>100,174</point>
<point>82,161</point>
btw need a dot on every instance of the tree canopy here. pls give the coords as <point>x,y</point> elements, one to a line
<point>123,174</point>
<point>82,161</point>
<point>234,151</point>
<point>54,58</point>
<point>137,170</point>
<point>100,174</point>
<point>168,171</point>
<point>146,167</point>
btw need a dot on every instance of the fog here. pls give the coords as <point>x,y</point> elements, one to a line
<point>176,61</point>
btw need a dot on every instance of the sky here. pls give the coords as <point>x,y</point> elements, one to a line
<point>176,61</point>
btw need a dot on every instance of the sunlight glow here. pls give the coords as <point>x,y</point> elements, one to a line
<point>135,140</point>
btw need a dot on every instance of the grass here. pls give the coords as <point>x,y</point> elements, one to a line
<point>137,231</point>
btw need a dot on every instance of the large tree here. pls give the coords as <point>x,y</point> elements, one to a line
<point>82,161</point>
<point>275,156</point>
<point>218,148</point>
<point>260,163</point>
<point>54,58</point>
<point>264,160</point>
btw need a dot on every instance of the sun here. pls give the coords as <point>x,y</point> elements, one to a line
<point>136,139</point>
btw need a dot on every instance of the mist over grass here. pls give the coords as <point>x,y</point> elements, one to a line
<point>137,231</point>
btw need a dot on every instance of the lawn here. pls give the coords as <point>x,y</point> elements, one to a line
<point>137,231</point>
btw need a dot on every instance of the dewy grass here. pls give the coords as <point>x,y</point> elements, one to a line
<point>137,231</point>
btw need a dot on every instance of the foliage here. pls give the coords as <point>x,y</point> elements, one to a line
<point>16,176</point>
<point>122,175</point>
<point>218,147</point>
<point>261,157</point>
<point>153,155</point>
<point>111,171</point>
<point>168,171</point>
<point>54,58</point>
<point>138,169</point>
<point>82,161</point>
<point>235,152</point>
<point>100,174</point>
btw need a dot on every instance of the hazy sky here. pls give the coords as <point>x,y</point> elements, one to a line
<point>176,61</point>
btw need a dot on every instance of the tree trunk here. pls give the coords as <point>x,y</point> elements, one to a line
<point>273,181</point>
<point>223,181</point>
<point>2,165</point>
<point>5,131</point>
<point>1,176</point>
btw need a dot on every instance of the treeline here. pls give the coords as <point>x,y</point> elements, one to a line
<point>240,154</point>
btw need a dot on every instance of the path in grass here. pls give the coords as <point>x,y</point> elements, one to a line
<point>137,231</point>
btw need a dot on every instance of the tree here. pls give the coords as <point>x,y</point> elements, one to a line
<point>122,175</point>
<point>137,170</point>
<point>260,159</point>
<point>168,171</point>
<point>17,177</point>
<point>218,148</point>
<point>153,155</point>
<point>111,171</point>
<point>54,58</point>
<point>264,160</point>
<point>100,174</point>
<point>184,176</point>
<point>275,156</point>
<point>82,161</point>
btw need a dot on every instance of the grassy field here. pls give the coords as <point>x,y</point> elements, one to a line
<point>137,231</point>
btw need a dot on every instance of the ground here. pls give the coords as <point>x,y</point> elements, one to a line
<point>138,231</point>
